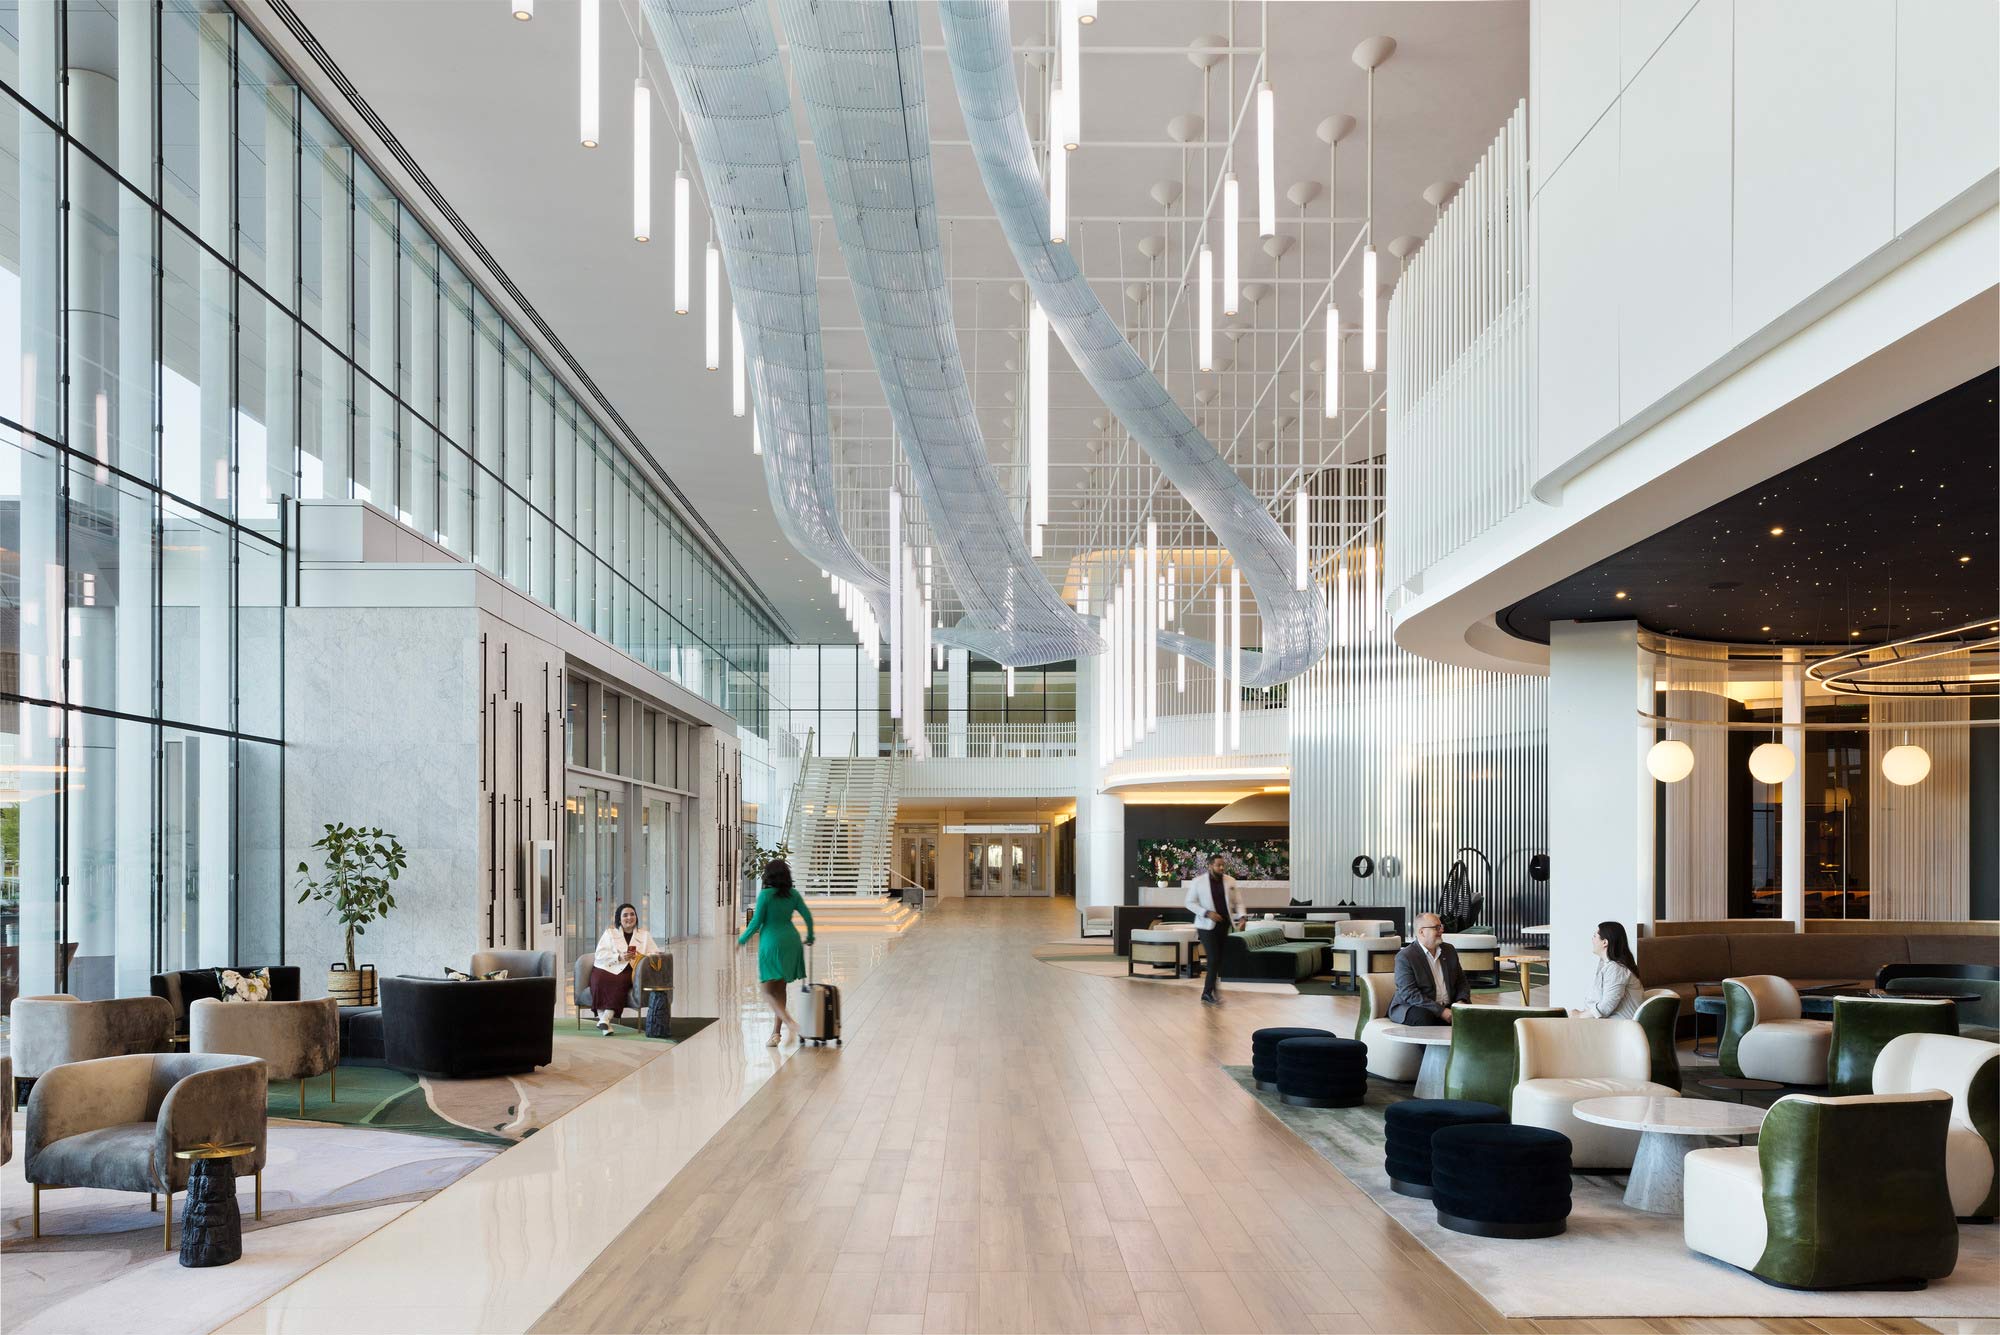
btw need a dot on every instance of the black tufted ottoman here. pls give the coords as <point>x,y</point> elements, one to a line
<point>1407,1129</point>
<point>1264,1053</point>
<point>1322,1072</point>
<point>1501,1181</point>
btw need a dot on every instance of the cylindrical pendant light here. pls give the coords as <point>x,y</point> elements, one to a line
<point>1205,344</point>
<point>1232,222</point>
<point>896,595</point>
<point>1368,290</point>
<point>1038,415</point>
<point>1086,11</point>
<point>642,160</point>
<point>523,9</point>
<point>1172,597</point>
<point>1301,537</point>
<point>1332,392</point>
<point>1235,656</point>
<point>1010,682</point>
<point>1370,601</point>
<point>756,435</point>
<point>1058,193</point>
<point>739,374</point>
<point>1071,46</point>
<point>711,288</point>
<point>1267,160</point>
<point>1180,674</point>
<point>680,243</point>
<point>1221,670</point>
<point>1150,626</point>
<point>587,74</point>
<point>1083,594</point>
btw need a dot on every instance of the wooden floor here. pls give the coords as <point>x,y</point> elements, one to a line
<point>1008,1146</point>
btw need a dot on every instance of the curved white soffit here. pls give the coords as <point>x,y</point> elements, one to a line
<point>723,59</point>
<point>860,74</point>
<point>1295,621</point>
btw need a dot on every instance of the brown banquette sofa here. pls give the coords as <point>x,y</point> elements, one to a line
<point>1805,960</point>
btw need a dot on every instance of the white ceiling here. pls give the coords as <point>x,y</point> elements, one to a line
<point>488,107</point>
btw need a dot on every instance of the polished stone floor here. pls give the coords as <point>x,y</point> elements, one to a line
<point>1002,1145</point>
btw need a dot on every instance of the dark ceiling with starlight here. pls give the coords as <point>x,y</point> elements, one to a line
<point>1893,533</point>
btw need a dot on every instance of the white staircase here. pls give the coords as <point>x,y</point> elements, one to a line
<point>842,825</point>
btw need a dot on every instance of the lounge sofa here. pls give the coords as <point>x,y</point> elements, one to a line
<point>183,987</point>
<point>436,1027</point>
<point>1805,960</point>
<point>1260,952</point>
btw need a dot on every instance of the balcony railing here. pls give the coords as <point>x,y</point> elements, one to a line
<point>1461,370</point>
<point>1001,741</point>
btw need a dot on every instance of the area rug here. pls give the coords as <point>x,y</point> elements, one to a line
<point>1613,1261</point>
<point>100,1253</point>
<point>492,1110</point>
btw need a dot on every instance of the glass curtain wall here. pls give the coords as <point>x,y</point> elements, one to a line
<point>210,302</point>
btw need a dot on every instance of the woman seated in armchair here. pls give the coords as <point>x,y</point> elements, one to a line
<point>619,951</point>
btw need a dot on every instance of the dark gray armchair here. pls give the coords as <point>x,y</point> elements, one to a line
<point>517,963</point>
<point>115,1122</point>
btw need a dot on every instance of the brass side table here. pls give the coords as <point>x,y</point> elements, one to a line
<point>212,1227</point>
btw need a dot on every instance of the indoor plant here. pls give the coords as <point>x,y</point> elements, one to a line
<point>357,887</point>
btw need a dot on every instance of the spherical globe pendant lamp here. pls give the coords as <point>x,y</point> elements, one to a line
<point>1772,762</point>
<point>1906,764</point>
<point>1670,761</point>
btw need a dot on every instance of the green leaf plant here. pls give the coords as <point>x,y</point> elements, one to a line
<point>358,883</point>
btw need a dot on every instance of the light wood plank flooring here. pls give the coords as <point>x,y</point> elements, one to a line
<point>1008,1146</point>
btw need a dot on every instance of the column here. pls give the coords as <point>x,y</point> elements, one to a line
<point>1600,795</point>
<point>1100,817</point>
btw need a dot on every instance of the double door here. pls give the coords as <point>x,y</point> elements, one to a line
<point>625,843</point>
<point>1004,864</point>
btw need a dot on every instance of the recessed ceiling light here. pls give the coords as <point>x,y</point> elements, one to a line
<point>1620,595</point>
<point>1763,628</point>
<point>1853,633</point>
<point>1777,530</point>
<point>1963,559</point>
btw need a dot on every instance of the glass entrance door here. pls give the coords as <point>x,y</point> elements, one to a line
<point>662,870</point>
<point>1004,864</point>
<point>595,880</point>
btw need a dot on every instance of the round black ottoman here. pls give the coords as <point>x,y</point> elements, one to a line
<point>1501,1181</point>
<point>1322,1072</point>
<point>1407,1130</point>
<point>1264,1053</point>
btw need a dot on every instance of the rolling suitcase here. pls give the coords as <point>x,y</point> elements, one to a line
<point>817,1009</point>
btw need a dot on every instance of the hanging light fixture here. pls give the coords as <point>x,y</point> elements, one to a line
<point>523,9</point>
<point>1340,597</point>
<point>1368,56</point>
<point>642,160</point>
<point>738,374</point>
<point>587,74</point>
<point>896,595</point>
<point>1071,45</point>
<point>1906,764</point>
<point>1058,192</point>
<point>680,243</point>
<point>1232,222</point>
<point>1670,761</point>
<point>711,290</point>
<point>1150,624</point>
<point>1180,674</point>
<point>1038,415</point>
<point>1086,11</point>
<point>1172,597</point>
<point>1301,537</point>
<point>756,436</point>
<point>1221,669</point>
<point>1773,762</point>
<point>1368,296</point>
<point>1205,345</point>
<point>1368,586</point>
<point>1331,394</point>
<point>1267,160</point>
<point>1083,595</point>
<point>1010,682</point>
<point>1235,656</point>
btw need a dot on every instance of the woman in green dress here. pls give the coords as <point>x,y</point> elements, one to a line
<point>779,957</point>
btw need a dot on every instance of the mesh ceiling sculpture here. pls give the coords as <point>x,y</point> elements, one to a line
<point>723,60</point>
<point>980,48</point>
<point>860,74</point>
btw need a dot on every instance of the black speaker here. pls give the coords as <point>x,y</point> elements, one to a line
<point>1538,867</point>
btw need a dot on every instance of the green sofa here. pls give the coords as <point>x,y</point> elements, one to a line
<point>1260,953</point>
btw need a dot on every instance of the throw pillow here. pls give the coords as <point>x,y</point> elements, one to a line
<point>497,973</point>
<point>243,985</point>
<point>456,975</point>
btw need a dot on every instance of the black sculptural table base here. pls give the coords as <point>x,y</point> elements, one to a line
<point>212,1225</point>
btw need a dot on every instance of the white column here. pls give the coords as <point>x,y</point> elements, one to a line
<point>1100,819</point>
<point>958,697</point>
<point>1792,797</point>
<point>1600,795</point>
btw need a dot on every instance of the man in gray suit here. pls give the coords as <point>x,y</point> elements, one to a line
<point>1428,980</point>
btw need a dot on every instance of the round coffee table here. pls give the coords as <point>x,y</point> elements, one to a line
<point>1436,1042</point>
<point>1669,1128</point>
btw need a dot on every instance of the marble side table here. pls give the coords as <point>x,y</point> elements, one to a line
<point>1668,1129</point>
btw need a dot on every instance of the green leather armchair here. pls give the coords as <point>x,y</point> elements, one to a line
<point>1968,1070</point>
<point>1838,1193</point>
<point>1659,1012</point>
<point>1484,1062</point>
<point>1863,1026</point>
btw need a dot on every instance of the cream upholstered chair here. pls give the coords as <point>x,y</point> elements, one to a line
<point>47,1032</point>
<point>1763,1036</point>
<point>1969,1071</point>
<point>1094,920</point>
<point>1563,1062</point>
<point>1478,952</point>
<point>1388,1059</point>
<point>296,1039</point>
<point>1367,927</point>
<point>114,1123</point>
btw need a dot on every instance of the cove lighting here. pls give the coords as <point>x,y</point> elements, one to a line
<point>1232,222</point>
<point>588,47</point>
<point>680,243</point>
<point>642,160</point>
<point>1267,160</point>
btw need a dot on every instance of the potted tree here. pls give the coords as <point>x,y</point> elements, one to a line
<point>357,887</point>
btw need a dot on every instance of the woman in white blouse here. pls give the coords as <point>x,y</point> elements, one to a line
<point>619,951</point>
<point>1614,985</point>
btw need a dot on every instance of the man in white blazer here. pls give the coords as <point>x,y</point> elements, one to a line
<point>1211,898</point>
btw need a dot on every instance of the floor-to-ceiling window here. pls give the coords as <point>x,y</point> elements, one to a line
<point>210,303</point>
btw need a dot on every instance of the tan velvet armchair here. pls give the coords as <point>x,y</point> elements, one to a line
<point>115,1122</point>
<point>46,1032</point>
<point>296,1039</point>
